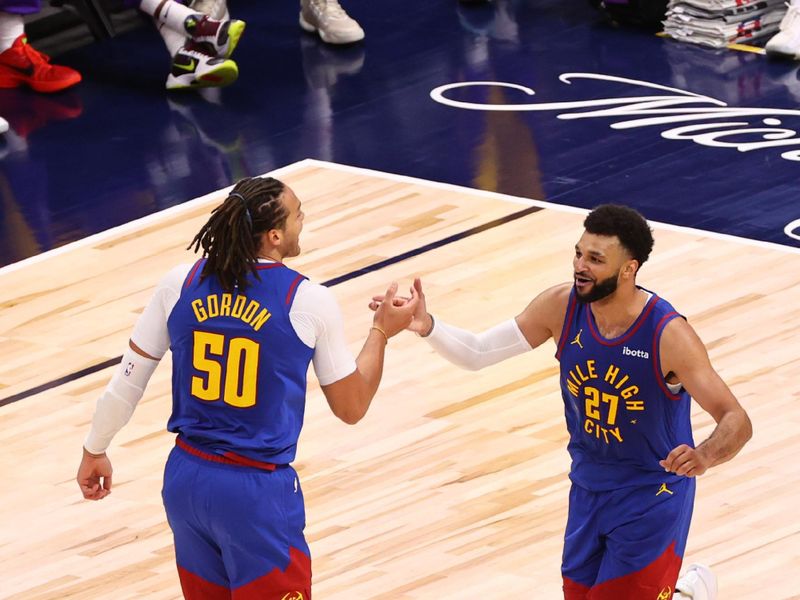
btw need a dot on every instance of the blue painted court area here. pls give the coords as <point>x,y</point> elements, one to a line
<point>119,147</point>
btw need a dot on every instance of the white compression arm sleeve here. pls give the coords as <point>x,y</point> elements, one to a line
<point>122,394</point>
<point>475,351</point>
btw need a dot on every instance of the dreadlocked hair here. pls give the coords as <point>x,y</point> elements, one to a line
<point>231,237</point>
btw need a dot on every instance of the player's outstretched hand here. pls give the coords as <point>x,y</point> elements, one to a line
<point>685,460</point>
<point>94,476</point>
<point>393,315</point>
<point>420,321</point>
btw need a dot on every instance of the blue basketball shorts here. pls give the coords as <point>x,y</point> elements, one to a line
<point>238,529</point>
<point>626,544</point>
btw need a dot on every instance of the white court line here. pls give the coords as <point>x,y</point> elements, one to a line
<point>135,224</point>
<point>187,206</point>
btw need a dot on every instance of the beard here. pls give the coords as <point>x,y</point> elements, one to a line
<point>600,290</point>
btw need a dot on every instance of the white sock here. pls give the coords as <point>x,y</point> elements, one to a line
<point>11,27</point>
<point>172,39</point>
<point>167,12</point>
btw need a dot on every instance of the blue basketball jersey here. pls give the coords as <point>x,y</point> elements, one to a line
<point>238,367</point>
<point>621,416</point>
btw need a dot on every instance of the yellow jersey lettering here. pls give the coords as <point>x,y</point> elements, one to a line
<point>580,373</point>
<point>262,318</point>
<point>250,311</point>
<point>213,305</point>
<point>225,305</point>
<point>574,378</point>
<point>590,368</point>
<point>572,387</point>
<point>634,405</point>
<point>616,433</point>
<point>621,382</point>
<point>238,306</point>
<point>629,392</point>
<point>199,311</point>
<point>611,374</point>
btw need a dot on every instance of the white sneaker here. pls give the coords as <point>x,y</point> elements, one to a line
<point>328,18</point>
<point>697,583</point>
<point>3,125</point>
<point>787,41</point>
<point>192,68</point>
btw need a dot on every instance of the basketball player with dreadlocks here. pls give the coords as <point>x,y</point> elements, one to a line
<point>243,328</point>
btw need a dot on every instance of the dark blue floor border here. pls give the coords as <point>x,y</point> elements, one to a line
<point>331,282</point>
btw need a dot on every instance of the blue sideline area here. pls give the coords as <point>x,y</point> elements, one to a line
<point>118,146</point>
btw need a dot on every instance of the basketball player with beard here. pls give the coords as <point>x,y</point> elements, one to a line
<point>630,365</point>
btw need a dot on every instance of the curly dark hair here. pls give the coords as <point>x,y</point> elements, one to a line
<point>230,239</point>
<point>627,224</point>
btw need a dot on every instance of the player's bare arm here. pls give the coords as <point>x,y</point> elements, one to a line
<point>684,355</point>
<point>543,318</point>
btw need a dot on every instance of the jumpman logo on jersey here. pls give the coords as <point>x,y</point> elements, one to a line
<point>664,490</point>
<point>666,593</point>
<point>577,340</point>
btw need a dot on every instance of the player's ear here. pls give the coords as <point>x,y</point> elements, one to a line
<point>630,268</point>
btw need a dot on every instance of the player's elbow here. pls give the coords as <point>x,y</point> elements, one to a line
<point>747,428</point>
<point>350,417</point>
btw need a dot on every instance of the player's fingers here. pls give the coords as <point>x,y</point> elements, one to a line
<point>669,462</point>
<point>418,285</point>
<point>684,466</point>
<point>390,292</point>
<point>683,462</point>
<point>378,298</point>
<point>89,492</point>
<point>107,484</point>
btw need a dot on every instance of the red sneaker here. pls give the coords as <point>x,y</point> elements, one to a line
<point>21,64</point>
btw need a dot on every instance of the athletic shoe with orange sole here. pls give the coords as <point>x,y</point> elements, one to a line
<point>22,65</point>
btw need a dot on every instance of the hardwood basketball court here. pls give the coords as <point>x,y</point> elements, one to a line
<point>454,485</point>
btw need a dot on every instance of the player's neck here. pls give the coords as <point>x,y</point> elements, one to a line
<point>617,312</point>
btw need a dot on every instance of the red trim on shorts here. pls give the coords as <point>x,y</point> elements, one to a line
<point>293,583</point>
<point>574,590</point>
<point>657,355</point>
<point>228,458</point>
<point>293,288</point>
<point>192,273</point>
<point>655,582</point>
<point>626,336</point>
<point>195,587</point>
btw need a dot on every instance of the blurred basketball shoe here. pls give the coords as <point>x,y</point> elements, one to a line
<point>27,112</point>
<point>787,41</point>
<point>22,65</point>
<point>217,38</point>
<point>193,68</point>
<point>3,125</point>
<point>330,21</point>
<point>697,583</point>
